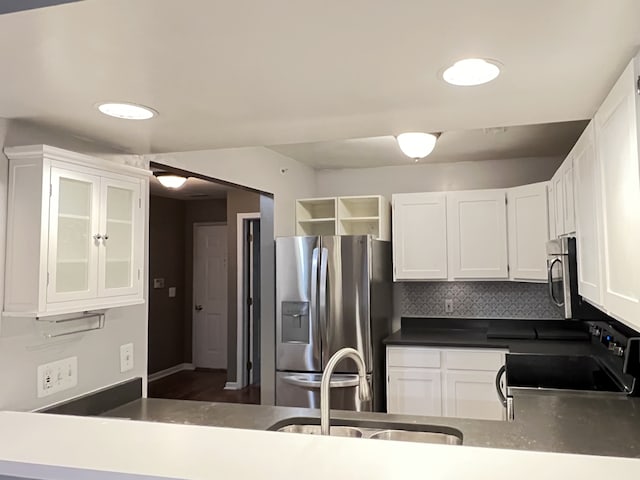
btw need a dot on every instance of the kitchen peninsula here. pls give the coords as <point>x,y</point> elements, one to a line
<point>110,448</point>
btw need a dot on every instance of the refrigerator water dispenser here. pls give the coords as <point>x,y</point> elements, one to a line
<point>295,322</point>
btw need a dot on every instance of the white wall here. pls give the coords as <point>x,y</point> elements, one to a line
<point>23,348</point>
<point>254,167</point>
<point>426,177</point>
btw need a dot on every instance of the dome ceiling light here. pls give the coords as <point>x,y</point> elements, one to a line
<point>170,180</point>
<point>127,111</point>
<point>417,145</point>
<point>471,71</point>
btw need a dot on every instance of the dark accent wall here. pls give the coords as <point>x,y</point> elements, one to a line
<point>238,201</point>
<point>515,300</point>
<point>196,211</point>
<point>166,315</point>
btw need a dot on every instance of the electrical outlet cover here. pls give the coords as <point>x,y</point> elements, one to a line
<point>126,357</point>
<point>57,376</point>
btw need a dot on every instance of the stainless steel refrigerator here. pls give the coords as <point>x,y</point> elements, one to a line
<point>331,292</point>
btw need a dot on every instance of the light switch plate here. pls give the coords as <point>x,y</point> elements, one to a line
<point>448,305</point>
<point>158,283</point>
<point>172,292</point>
<point>126,357</point>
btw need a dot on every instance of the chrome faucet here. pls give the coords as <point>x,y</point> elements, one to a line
<point>325,385</point>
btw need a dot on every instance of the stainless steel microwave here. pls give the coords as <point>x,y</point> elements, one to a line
<point>562,272</point>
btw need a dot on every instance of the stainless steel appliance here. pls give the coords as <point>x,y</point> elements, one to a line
<point>562,272</point>
<point>331,292</point>
<point>610,368</point>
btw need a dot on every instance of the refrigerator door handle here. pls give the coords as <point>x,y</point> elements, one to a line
<point>314,284</point>
<point>324,254</point>
<point>338,381</point>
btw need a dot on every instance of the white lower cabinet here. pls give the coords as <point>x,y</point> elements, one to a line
<point>472,394</point>
<point>444,382</point>
<point>414,391</point>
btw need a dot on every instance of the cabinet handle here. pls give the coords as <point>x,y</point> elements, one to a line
<point>97,236</point>
<point>198,308</point>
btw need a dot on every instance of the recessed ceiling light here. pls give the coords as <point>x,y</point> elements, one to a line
<point>127,111</point>
<point>471,71</point>
<point>417,145</point>
<point>170,180</point>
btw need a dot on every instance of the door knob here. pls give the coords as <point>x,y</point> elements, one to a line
<point>198,308</point>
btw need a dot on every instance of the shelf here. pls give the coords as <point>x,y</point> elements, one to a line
<point>118,260</point>
<point>360,219</point>
<point>73,217</point>
<point>121,222</point>
<point>67,261</point>
<point>317,220</point>
<point>315,208</point>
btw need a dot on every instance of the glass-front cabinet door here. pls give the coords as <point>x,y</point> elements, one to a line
<point>120,220</point>
<point>73,242</point>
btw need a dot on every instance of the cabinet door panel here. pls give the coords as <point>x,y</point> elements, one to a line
<point>414,391</point>
<point>73,222</point>
<point>587,190</point>
<point>120,221</point>
<point>551,198</point>
<point>477,225</point>
<point>528,232</point>
<point>472,394</point>
<point>569,200</point>
<point>558,201</point>
<point>617,139</point>
<point>420,236</point>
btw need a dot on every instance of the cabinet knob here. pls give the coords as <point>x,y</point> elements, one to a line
<point>105,237</point>
<point>198,308</point>
<point>97,236</point>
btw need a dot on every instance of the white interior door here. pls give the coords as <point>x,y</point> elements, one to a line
<point>210,296</point>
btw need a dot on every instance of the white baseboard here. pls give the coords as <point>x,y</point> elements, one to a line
<point>170,371</point>
<point>232,386</point>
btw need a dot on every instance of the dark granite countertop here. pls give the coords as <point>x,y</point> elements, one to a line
<point>569,338</point>
<point>552,422</point>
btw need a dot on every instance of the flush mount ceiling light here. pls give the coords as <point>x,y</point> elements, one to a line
<point>417,145</point>
<point>127,111</point>
<point>170,180</point>
<point>471,71</point>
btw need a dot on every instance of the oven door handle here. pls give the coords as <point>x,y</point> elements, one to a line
<point>550,281</point>
<point>501,372</point>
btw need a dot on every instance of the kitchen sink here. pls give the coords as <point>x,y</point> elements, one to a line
<point>421,437</point>
<point>334,431</point>
<point>376,430</point>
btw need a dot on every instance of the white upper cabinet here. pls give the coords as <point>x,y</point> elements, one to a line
<point>551,199</point>
<point>563,204</point>
<point>419,236</point>
<point>616,128</point>
<point>528,232</point>
<point>588,213</point>
<point>477,230</point>
<point>75,233</point>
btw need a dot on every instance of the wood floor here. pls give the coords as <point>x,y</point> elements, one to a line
<point>201,384</point>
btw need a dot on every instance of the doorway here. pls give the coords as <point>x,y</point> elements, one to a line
<point>193,290</point>
<point>249,304</point>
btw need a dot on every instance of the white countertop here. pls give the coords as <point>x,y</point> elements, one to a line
<point>41,446</point>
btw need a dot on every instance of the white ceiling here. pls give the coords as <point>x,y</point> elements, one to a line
<point>253,72</point>
<point>547,140</point>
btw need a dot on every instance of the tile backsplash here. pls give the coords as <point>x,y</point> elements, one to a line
<point>476,300</point>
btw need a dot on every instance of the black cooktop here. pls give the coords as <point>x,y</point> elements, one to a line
<point>559,372</point>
